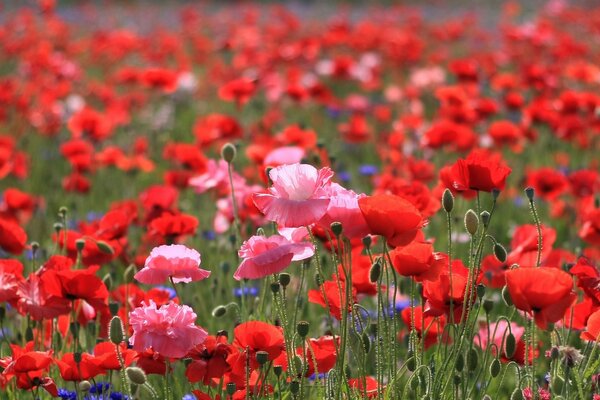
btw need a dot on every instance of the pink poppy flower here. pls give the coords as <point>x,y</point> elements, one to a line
<point>176,261</point>
<point>265,256</point>
<point>284,156</point>
<point>344,208</point>
<point>298,196</point>
<point>169,330</point>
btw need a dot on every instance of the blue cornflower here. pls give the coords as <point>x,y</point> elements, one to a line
<point>65,394</point>
<point>209,235</point>
<point>344,176</point>
<point>368,170</point>
<point>248,291</point>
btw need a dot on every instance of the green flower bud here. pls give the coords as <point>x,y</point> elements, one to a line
<point>116,330</point>
<point>136,375</point>
<point>471,222</point>
<point>485,218</point>
<point>302,329</point>
<point>105,247</point>
<point>448,201</point>
<point>495,368</point>
<point>500,252</point>
<point>480,291</point>
<point>530,193</point>
<point>375,272</point>
<point>460,363</point>
<point>510,345</point>
<point>294,387</point>
<point>228,152</point>
<point>472,359</point>
<point>219,311</point>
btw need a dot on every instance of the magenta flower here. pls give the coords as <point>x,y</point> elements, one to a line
<point>298,196</point>
<point>176,261</point>
<point>169,330</point>
<point>265,256</point>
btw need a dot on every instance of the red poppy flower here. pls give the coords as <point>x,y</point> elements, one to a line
<point>547,182</point>
<point>321,351</point>
<point>588,278</point>
<point>544,292</point>
<point>106,353</point>
<point>479,171</point>
<point>209,360</point>
<point>432,327</point>
<point>88,368</point>
<point>238,90</point>
<point>392,217</point>
<point>361,269</point>
<point>11,274</point>
<point>590,231</point>
<point>418,260</point>
<point>12,237</point>
<point>367,385</point>
<point>77,284</point>
<point>446,290</point>
<point>170,226</point>
<point>592,330</point>
<point>332,291</point>
<point>90,122</point>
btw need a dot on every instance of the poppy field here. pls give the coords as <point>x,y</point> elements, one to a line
<point>265,201</point>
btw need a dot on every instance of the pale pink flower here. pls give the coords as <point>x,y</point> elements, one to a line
<point>216,176</point>
<point>343,208</point>
<point>266,256</point>
<point>247,211</point>
<point>284,155</point>
<point>176,261</point>
<point>298,196</point>
<point>169,330</point>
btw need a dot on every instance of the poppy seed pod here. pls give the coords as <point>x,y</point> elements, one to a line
<point>336,228</point>
<point>471,222</point>
<point>262,357</point>
<point>530,193</point>
<point>80,244</point>
<point>231,388</point>
<point>284,279</point>
<point>448,200</point>
<point>302,328</point>
<point>228,152</point>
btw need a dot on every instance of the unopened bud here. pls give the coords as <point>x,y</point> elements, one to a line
<point>116,330</point>
<point>471,222</point>
<point>105,247</point>
<point>85,386</point>
<point>530,193</point>
<point>228,152</point>
<point>136,375</point>
<point>448,200</point>
<point>480,291</point>
<point>510,345</point>
<point>485,218</point>
<point>219,311</point>
<point>375,272</point>
<point>495,368</point>
<point>302,328</point>
<point>500,252</point>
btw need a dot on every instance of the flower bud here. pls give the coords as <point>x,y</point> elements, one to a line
<point>472,359</point>
<point>530,192</point>
<point>480,291</point>
<point>294,387</point>
<point>495,368</point>
<point>471,222</point>
<point>460,362</point>
<point>510,345</point>
<point>62,211</point>
<point>336,228</point>
<point>136,375</point>
<point>488,305</point>
<point>275,287</point>
<point>105,247</point>
<point>35,246</point>
<point>228,152</point>
<point>448,200</point>
<point>375,272</point>
<point>485,218</point>
<point>284,279</point>
<point>85,386</point>
<point>500,252</point>
<point>219,311</point>
<point>57,227</point>
<point>116,330</point>
<point>302,328</point>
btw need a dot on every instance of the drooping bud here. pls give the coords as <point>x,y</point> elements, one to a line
<point>495,368</point>
<point>448,201</point>
<point>510,345</point>
<point>105,247</point>
<point>471,222</point>
<point>375,272</point>
<point>219,311</point>
<point>500,252</point>
<point>472,359</point>
<point>136,375</point>
<point>228,152</point>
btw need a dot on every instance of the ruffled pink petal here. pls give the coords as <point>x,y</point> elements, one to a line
<point>290,213</point>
